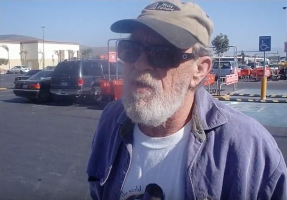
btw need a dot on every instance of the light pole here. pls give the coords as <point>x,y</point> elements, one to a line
<point>43,28</point>
<point>285,47</point>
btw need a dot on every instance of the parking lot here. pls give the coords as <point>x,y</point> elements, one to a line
<point>45,147</point>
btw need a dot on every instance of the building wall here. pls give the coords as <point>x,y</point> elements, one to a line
<point>14,50</point>
<point>30,53</point>
<point>52,53</point>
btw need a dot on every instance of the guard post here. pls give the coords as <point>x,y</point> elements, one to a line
<point>264,45</point>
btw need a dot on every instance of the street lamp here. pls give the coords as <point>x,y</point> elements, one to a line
<point>285,45</point>
<point>43,27</point>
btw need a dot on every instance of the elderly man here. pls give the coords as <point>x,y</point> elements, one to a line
<point>167,131</point>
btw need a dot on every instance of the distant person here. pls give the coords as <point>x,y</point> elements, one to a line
<point>168,130</point>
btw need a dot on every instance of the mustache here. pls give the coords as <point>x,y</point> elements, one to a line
<point>145,79</point>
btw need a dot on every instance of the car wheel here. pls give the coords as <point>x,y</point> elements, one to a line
<point>95,96</point>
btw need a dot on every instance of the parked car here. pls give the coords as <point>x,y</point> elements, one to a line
<point>80,78</point>
<point>21,69</point>
<point>227,67</point>
<point>244,67</point>
<point>258,72</point>
<point>27,75</point>
<point>35,87</point>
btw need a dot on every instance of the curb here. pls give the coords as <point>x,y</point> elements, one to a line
<point>221,96</point>
<point>257,95</point>
<point>250,100</point>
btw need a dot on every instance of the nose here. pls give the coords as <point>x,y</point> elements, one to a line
<point>142,63</point>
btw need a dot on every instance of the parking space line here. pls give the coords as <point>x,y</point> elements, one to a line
<point>261,109</point>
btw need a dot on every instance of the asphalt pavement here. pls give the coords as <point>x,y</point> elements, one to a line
<point>44,148</point>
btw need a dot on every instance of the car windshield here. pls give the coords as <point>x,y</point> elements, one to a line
<point>41,75</point>
<point>67,68</point>
<point>223,65</point>
<point>32,72</point>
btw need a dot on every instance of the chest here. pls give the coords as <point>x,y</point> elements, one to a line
<point>163,167</point>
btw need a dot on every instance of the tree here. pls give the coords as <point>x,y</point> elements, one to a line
<point>221,45</point>
<point>42,57</point>
<point>7,49</point>
<point>71,53</point>
<point>86,53</point>
<point>3,61</point>
<point>56,52</point>
<point>53,60</point>
<point>25,56</point>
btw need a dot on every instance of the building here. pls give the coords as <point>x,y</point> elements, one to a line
<point>32,54</point>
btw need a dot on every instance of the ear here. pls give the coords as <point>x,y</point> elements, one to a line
<point>203,67</point>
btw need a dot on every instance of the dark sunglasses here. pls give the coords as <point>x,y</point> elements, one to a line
<point>158,56</point>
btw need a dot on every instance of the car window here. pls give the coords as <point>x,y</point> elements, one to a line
<point>224,65</point>
<point>120,68</point>
<point>91,69</point>
<point>234,64</point>
<point>105,67</point>
<point>32,72</point>
<point>67,68</point>
<point>41,75</point>
<point>113,68</point>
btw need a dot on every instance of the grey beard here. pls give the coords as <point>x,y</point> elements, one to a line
<point>160,105</point>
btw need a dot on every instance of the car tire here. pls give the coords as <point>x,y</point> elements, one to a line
<point>95,96</point>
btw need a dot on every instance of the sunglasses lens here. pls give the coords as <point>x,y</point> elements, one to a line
<point>128,51</point>
<point>163,57</point>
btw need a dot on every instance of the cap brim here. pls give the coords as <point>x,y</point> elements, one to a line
<point>176,35</point>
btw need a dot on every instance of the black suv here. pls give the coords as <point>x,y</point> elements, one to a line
<point>81,77</point>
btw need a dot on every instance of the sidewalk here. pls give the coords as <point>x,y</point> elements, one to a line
<point>253,95</point>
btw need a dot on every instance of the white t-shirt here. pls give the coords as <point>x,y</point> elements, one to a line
<point>159,160</point>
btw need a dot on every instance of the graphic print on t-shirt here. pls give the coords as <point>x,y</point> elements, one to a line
<point>152,191</point>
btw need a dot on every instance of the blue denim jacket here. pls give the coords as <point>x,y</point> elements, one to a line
<point>230,155</point>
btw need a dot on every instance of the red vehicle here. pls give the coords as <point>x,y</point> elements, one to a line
<point>259,72</point>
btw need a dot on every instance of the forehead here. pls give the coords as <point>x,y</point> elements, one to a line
<point>148,36</point>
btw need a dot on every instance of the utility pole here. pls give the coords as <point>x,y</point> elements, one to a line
<point>285,43</point>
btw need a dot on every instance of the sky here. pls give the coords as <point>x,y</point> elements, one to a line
<point>88,22</point>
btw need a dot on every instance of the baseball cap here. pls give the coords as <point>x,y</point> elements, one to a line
<point>183,24</point>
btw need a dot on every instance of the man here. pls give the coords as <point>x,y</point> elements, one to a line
<point>168,130</point>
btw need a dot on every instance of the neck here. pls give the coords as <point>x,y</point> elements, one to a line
<point>178,120</point>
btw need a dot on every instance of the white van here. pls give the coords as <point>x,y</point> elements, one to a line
<point>227,67</point>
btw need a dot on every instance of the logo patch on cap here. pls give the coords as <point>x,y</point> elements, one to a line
<point>164,6</point>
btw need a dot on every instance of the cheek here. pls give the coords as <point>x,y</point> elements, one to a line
<point>127,69</point>
<point>167,78</point>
